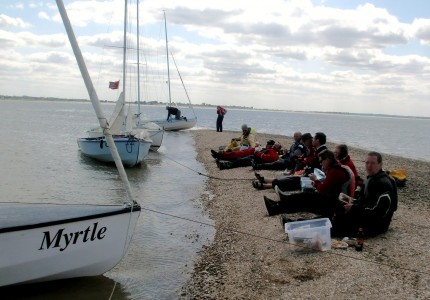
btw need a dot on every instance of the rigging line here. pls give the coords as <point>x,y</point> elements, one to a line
<point>113,290</point>
<point>189,101</point>
<point>200,173</point>
<point>287,243</point>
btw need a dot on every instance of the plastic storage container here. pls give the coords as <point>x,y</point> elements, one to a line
<point>306,184</point>
<point>309,234</point>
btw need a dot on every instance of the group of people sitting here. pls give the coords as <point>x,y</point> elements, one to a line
<point>245,151</point>
<point>340,195</point>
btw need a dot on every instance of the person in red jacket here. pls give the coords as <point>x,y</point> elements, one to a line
<point>324,200</point>
<point>342,156</point>
<point>291,182</point>
<point>231,155</point>
<point>221,111</point>
<point>267,154</point>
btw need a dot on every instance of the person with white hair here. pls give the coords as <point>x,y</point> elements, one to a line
<point>246,140</point>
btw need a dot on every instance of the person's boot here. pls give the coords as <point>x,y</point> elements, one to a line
<point>284,219</point>
<point>224,165</point>
<point>255,165</point>
<point>271,206</point>
<point>214,154</point>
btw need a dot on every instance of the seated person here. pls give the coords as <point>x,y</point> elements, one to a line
<point>267,154</point>
<point>291,182</point>
<point>342,156</point>
<point>288,159</point>
<point>230,155</point>
<point>375,205</point>
<point>324,200</point>
<point>173,111</point>
<point>247,139</point>
<point>372,210</point>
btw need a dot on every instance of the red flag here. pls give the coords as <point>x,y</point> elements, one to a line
<point>114,85</point>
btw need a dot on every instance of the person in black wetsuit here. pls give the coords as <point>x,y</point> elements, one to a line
<point>173,111</point>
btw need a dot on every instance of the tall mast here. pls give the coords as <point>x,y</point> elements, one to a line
<point>94,98</point>
<point>124,50</point>
<point>167,57</point>
<point>138,60</point>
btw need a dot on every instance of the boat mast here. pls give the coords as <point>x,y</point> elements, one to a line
<point>138,61</point>
<point>124,50</point>
<point>167,57</point>
<point>94,99</point>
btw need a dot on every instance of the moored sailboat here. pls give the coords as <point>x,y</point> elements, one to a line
<point>155,132</point>
<point>133,143</point>
<point>42,242</point>
<point>177,121</point>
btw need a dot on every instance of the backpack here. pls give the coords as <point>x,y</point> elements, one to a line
<point>399,176</point>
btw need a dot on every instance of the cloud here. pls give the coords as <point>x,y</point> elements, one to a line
<point>27,39</point>
<point>253,53</point>
<point>10,22</point>
<point>422,30</point>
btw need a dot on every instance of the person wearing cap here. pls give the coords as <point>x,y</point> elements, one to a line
<point>289,159</point>
<point>267,154</point>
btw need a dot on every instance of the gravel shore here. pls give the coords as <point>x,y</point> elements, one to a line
<point>250,257</point>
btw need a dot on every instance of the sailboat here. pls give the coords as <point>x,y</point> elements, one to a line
<point>41,242</point>
<point>133,144</point>
<point>155,132</point>
<point>178,122</point>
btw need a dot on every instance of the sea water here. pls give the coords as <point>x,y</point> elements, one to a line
<point>402,136</point>
<point>40,162</point>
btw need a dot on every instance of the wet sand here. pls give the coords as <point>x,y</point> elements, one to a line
<point>250,257</point>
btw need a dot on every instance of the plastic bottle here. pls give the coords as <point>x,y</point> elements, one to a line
<point>360,240</point>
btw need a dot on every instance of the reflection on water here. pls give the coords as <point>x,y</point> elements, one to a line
<point>99,287</point>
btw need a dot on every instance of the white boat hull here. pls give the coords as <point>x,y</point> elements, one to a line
<point>156,135</point>
<point>131,150</point>
<point>175,125</point>
<point>154,132</point>
<point>62,241</point>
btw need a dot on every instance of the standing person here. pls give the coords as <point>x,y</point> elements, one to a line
<point>221,111</point>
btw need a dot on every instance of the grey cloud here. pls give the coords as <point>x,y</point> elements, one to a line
<point>365,60</point>
<point>55,58</point>
<point>423,33</point>
<point>207,17</point>
<point>320,32</point>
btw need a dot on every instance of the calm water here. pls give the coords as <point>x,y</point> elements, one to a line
<point>40,162</point>
<point>394,135</point>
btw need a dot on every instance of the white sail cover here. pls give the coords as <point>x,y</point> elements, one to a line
<point>117,119</point>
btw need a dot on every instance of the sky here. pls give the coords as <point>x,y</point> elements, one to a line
<point>323,55</point>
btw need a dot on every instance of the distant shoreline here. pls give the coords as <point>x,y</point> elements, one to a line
<point>204,105</point>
